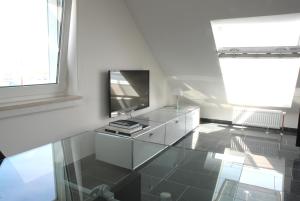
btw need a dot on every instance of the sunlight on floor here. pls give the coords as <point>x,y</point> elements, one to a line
<point>262,177</point>
<point>209,128</point>
<point>231,156</point>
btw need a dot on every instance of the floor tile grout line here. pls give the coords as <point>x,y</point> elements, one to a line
<point>196,172</point>
<point>185,190</point>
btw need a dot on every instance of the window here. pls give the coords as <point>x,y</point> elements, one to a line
<point>30,38</point>
<point>259,59</point>
<point>260,81</point>
<point>33,38</point>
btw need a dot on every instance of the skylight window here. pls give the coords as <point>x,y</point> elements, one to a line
<point>269,31</point>
<point>268,82</point>
<point>259,59</point>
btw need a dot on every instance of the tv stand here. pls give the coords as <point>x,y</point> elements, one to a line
<point>166,126</point>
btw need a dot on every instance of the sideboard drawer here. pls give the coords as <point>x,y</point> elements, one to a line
<point>192,120</point>
<point>156,136</point>
<point>175,130</point>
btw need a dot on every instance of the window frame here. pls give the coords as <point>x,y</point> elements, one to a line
<point>234,42</point>
<point>12,94</point>
<point>285,52</point>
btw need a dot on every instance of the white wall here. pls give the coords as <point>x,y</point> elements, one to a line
<point>291,120</point>
<point>107,38</point>
<point>180,35</point>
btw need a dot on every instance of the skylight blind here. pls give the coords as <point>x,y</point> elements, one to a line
<point>268,82</point>
<point>269,31</point>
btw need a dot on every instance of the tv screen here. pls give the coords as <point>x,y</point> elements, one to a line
<point>128,91</point>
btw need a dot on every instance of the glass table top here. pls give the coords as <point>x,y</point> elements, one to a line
<point>217,166</point>
<point>64,170</point>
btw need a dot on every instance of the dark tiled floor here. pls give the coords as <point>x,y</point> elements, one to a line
<point>149,197</point>
<point>223,163</point>
<point>176,189</point>
<point>196,194</point>
<point>149,182</point>
<point>94,172</point>
<point>193,162</point>
<point>195,179</point>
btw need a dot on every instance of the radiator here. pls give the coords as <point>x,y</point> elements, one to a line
<point>257,117</point>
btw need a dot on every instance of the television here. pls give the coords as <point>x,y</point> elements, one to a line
<point>128,91</point>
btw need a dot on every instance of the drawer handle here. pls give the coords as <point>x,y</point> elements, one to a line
<point>176,122</point>
<point>151,134</point>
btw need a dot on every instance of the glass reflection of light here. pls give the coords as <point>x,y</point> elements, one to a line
<point>29,176</point>
<point>262,177</point>
<point>231,156</point>
<point>195,139</point>
<point>121,87</point>
<point>240,175</point>
<point>123,98</point>
<point>120,82</point>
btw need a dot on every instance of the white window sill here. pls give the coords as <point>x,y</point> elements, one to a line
<point>19,108</point>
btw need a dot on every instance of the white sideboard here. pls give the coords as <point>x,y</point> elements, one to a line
<point>166,126</point>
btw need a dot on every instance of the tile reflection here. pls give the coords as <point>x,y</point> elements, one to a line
<point>229,164</point>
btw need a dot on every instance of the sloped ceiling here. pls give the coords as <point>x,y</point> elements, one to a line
<point>180,37</point>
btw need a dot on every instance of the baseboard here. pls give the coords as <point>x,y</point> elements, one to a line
<point>287,130</point>
<point>290,130</point>
<point>217,121</point>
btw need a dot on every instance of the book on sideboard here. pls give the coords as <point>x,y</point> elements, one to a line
<point>124,130</point>
<point>125,124</point>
